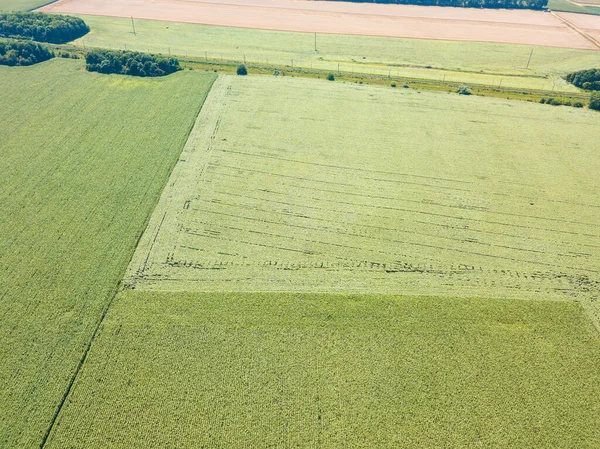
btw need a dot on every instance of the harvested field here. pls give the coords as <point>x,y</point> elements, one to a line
<point>589,24</point>
<point>83,159</point>
<point>395,192</point>
<point>231,370</point>
<point>520,27</point>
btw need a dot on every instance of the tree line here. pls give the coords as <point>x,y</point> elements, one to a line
<point>494,4</point>
<point>53,28</point>
<point>13,53</point>
<point>585,79</point>
<point>130,63</point>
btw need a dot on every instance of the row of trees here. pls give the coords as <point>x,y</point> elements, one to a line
<point>495,4</point>
<point>14,52</point>
<point>585,79</point>
<point>130,63</point>
<point>53,28</point>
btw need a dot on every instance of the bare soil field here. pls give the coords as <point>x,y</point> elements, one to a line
<point>588,24</point>
<point>505,26</point>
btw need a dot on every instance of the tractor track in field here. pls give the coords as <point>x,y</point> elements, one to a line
<point>578,30</point>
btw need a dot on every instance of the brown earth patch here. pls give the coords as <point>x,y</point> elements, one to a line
<point>462,24</point>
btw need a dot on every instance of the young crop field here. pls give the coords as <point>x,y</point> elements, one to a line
<point>286,371</point>
<point>395,192</point>
<point>83,158</point>
<point>467,62</point>
<point>21,5</point>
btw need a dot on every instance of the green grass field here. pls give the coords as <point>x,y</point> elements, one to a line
<point>83,159</point>
<point>286,371</point>
<point>21,5</point>
<point>395,192</point>
<point>565,5</point>
<point>469,62</point>
<point>296,262</point>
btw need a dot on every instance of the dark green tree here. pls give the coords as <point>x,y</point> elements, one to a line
<point>595,101</point>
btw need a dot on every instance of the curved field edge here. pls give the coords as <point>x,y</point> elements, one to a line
<point>84,160</point>
<point>177,369</point>
<point>469,62</point>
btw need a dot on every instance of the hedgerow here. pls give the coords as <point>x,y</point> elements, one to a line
<point>585,79</point>
<point>492,4</point>
<point>53,28</point>
<point>15,53</point>
<point>130,63</point>
<point>595,101</point>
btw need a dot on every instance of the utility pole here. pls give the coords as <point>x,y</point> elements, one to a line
<point>133,26</point>
<point>529,60</point>
<point>316,42</point>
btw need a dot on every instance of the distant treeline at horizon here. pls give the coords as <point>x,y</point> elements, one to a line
<point>489,4</point>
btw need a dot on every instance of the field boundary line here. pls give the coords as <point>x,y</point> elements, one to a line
<point>116,289</point>
<point>78,369</point>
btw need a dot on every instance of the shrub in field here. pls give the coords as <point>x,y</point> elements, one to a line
<point>463,90</point>
<point>560,102</point>
<point>330,77</point>
<point>130,63</point>
<point>242,70</point>
<point>393,84</point>
<point>585,79</point>
<point>53,28</point>
<point>23,53</point>
<point>595,101</point>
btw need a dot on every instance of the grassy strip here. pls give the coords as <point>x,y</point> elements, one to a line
<point>440,85</point>
<point>281,370</point>
<point>567,6</point>
<point>508,93</point>
<point>84,159</point>
<point>460,62</point>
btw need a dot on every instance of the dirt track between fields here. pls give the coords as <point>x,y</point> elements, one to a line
<point>462,24</point>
